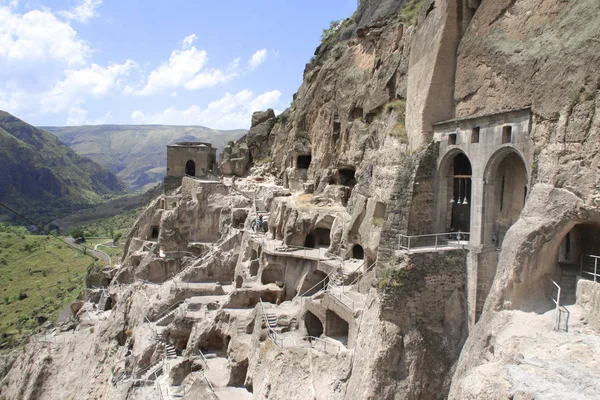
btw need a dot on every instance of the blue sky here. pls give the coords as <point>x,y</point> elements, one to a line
<point>156,61</point>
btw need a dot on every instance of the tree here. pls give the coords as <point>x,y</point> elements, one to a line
<point>116,237</point>
<point>76,233</point>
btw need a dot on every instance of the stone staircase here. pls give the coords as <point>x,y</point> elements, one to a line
<point>170,351</point>
<point>167,317</point>
<point>103,300</point>
<point>568,285</point>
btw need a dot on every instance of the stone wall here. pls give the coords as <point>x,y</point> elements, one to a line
<point>588,297</point>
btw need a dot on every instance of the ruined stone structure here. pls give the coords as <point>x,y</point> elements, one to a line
<point>196,159</point>
<point>402,231</point>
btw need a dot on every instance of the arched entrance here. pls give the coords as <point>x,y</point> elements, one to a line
<point>190,168</point>
<point>358,252</point>
<point>504,194</point>
<point>313,324</point>
<point>454,197</point>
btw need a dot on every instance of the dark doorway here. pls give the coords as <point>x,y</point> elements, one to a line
<point>154,234</point>
<point>313,324</point>
<point>303,162</point>
<point>310,241</point>
<point>347,177</point>
<point>358,252</point>
<point>190,168</point>
<point>461,194</point>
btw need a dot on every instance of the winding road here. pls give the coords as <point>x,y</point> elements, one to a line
<point>96,253</point>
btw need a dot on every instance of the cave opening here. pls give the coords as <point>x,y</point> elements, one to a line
<point>303,161</point>
<point>313,324</point>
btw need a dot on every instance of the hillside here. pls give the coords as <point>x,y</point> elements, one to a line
<point>42,177</point>
<point>136,153</point>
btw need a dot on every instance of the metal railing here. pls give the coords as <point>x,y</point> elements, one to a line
<point>337,292</point>
<point>590,267</point>
<point>553,292</point>
<point>362,273</point>
<point>277,339</point>
<point>313,341</point>
<point>172,307</point>
<point>435,240</point>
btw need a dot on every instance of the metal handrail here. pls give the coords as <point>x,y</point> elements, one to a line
<point>311,339</point>
<point>360,275</point>
<point>341,296</point>
<point>555,297</point>
<point>321,281</point>
<point>169,309</point>
<point>596,261</point>
<point>270,330</point>
<point>458,238</point>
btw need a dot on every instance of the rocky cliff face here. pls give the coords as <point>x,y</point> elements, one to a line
<point>334,181</point>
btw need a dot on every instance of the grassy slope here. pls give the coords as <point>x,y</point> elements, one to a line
<point>48,271</point>
<point>136,153</point>
<point>41,175</point>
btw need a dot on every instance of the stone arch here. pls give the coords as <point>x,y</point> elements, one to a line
<point>358,252</point>
<point>547,255</point>
<point>315,282</point>
<point>506,179</point>
<point>190,168</point>
<point>454,192</point>
<point>313,324</point>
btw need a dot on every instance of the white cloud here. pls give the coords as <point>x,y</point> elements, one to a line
<point>257,58</point>
<point>93,80</point>
<point>38,36</point>
<point>185,69</point>
<point>229,112</point>
<point>188,41</point>
<point>78,116</point>
<point>83,12</point>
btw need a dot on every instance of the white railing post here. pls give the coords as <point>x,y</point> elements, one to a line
<point>595,269</point>
<point>408,244</point>
<point>436,241</point>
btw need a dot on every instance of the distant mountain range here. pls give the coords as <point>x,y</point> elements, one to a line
<point>42,177</point>
<point>136,153</point>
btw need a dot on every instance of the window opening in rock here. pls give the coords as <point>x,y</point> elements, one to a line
<point>452,139</point>
<point>271,275</point>
<point>336,327</point>
<point>162,204</point>
<point>507,134</point>
<point>303,162</point>
<point>379,210</point>
<point>347,177</point>
<point>356,113</point>
<point>254,267</point>
<point>475,135</point>
<point>313,324</point>
<point>154,232</point>
<point>238,282</point>
<point>358,252</point>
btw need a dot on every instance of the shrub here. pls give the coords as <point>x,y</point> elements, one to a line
<point>411,10</point>
<point>392,276</point>
<point>332,31</point>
